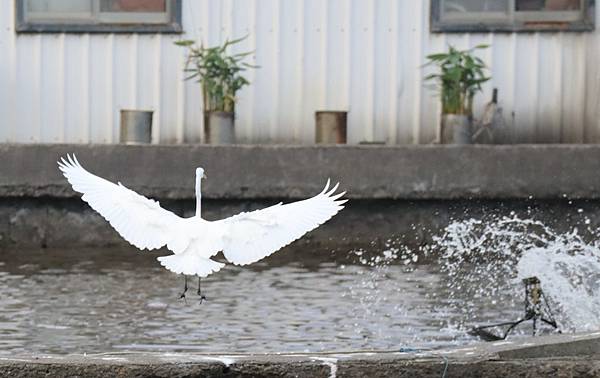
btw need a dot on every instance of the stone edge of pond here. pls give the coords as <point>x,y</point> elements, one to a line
<point>574,355</point>
<point>571,367</point>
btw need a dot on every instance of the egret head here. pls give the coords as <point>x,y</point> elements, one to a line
<point>200,173</point>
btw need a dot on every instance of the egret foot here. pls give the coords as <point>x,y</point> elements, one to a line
<point>185,287</point>
<point>199,292</point>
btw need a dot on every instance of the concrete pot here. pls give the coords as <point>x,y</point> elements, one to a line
<point>331,127</point>
<point>136,126</point>
<point>219,127</point>
<point>456,129</point>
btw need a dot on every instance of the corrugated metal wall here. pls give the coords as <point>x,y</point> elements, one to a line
<point>355,55</point>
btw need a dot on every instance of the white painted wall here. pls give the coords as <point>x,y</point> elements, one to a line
<point>356,55</point>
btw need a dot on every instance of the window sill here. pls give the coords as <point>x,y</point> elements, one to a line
<point>529,27</point>
<point>173,28</point>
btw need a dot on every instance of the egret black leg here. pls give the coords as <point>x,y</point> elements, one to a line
<point>185,287</point>
<point>202,297</point>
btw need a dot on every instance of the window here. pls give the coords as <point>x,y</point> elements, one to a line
<point>110,16</point>
<point>511,15</point>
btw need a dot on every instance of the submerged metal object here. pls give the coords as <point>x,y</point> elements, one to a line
<point>136,126</point>
<point>536,309</point>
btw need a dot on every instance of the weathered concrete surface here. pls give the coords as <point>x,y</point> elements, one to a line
<point>576,345</point>
<point>502,359</point>
<point>572,368</point>
<point>368,172</point>
<point>69,222</point>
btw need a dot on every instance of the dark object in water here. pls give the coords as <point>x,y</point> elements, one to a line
<point>536,308</point>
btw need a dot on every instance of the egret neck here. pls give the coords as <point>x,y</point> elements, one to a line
<point>199,177</point>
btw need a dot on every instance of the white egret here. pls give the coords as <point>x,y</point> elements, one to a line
<point>243,238</point>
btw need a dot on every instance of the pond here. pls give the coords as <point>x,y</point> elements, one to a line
<point>304,299</point>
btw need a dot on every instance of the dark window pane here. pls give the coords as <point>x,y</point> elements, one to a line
<point>467,6</point>
<point>158,6</point>
<point>547,5</point>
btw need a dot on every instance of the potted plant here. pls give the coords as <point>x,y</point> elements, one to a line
<point>220,75</point>
<point>459,79</point>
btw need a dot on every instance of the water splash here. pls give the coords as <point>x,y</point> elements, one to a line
<point>570,272</point>
<point>485,261</point>
<point>471,275</point>
<point>366,292</point>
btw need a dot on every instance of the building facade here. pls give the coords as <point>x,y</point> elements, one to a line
<point>365,57</point>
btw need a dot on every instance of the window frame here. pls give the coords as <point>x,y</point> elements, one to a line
<point>515,21</point>
<point>105,22</point>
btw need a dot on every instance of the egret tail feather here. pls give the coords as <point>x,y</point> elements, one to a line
<point>190,264</point>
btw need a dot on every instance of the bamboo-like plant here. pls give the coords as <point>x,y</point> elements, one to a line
<point>219,73</point>
<point>460,77</point>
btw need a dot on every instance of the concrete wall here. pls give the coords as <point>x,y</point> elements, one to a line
<point>564,355</point>
<point>403,194</point>
<point>362,56</point>
<point>255,172</point>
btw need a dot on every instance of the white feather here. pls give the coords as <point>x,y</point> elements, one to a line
<point>244,238</point>
<point>139,220</point>
<point>252,236</point>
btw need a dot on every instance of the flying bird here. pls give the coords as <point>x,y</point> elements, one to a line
<point>243,238</point>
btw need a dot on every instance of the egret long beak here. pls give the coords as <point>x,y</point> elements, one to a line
<point>203,175</point>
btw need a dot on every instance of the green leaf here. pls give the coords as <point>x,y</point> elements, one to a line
<point>218,72</point>
<point>460,76</point>
<point>437,56</point>
<point>185,42</point>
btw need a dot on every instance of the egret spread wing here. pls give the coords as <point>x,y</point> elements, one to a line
<point>249,237</point>
<point>141,221</point>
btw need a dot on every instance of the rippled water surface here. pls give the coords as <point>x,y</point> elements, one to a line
<point>86,301</point>
<point>385,297</point>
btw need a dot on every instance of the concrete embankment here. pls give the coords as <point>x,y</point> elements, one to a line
<point>529,357</point>
<point>400,193</point>
<point>367,172</point>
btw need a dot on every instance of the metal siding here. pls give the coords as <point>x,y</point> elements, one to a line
<point>100,79</point>
<point>313,64</point>
<point>360,56</point>
<point>265,80</point>
<point>409,71</point>
<point>592,88</point>
<point>573,87</point>
<point>290,73</point>
<point>502,64</point>
<point>549,74</point>
<point>383,52</point>
<point>244,16</point>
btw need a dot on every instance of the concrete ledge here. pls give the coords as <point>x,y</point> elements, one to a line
<point>574,345</point>
<point>502,359</point>
<point>279,367</point>
<point>374,172</point>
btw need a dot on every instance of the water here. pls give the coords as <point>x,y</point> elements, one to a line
<point>303,300</point>
<point>486,262</point>
<point>85,301</point>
